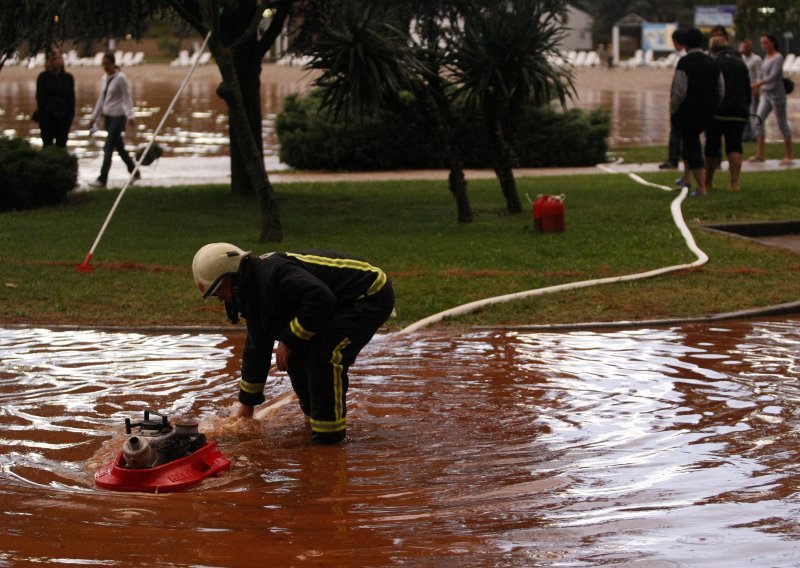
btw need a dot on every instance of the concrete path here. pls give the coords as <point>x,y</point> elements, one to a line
<point>216,170</point>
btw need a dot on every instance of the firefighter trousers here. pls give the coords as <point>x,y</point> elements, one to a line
<point>319,374</point>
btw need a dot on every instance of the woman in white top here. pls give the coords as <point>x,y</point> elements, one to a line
<point>116,105</point>
<point>773,96</point>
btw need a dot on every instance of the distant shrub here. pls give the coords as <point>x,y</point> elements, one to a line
<point>30,178</point>
<point>310,139</point>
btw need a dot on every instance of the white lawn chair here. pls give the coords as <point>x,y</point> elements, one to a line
<point>12,59</point>
<point>71,58</point>
<point>182,60</point>
<point>635,61</point>
<point>571,56</point>
<point>788,62</point>
<point>138,58</point>
<point>36,60</point>
<point>205,58</point>
<point>668,61</point>
<point>580,59</point>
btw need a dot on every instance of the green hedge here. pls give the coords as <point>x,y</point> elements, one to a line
<point>312,140</point>
<point>30,178</point>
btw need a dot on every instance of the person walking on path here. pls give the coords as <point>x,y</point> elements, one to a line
<point>730,119</point>
<point>116,106</point>
<point>55,101</point>
<point>321,307</point>
<point>674,147</point>
<point>753,62</point>
<point>773,96</point>
<point>697,90</point>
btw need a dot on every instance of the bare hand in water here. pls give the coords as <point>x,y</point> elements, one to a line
<point>244,411</point>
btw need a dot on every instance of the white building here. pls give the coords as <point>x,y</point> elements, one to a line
<point>579,31</point>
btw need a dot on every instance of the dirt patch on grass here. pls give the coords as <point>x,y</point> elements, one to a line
<point>121,266</point>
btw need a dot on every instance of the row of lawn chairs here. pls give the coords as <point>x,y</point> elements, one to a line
<point>71,59</point>
<point>646,58</point>
<point>186,60</point>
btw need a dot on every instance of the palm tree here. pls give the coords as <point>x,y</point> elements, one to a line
<point>367,60</point>
<point>504,63</point>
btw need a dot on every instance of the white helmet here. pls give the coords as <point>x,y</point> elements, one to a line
<point>214,261</point>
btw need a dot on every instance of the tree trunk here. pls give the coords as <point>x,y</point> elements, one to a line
<point>247,64</point>
<point>458,187</point>
<point>504,161</point>
<point>436,111</point>
<point>251,161</point>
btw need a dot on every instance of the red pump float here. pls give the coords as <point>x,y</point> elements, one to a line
<point>160,458</point>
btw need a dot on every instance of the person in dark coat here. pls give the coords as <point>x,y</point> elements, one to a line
<point>322,308</point>
<point>55,101</point>
<point>674,146</point>
<point>697,90</point>
<point>731,118</point>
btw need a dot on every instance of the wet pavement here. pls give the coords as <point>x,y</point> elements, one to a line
<point>216,169</point>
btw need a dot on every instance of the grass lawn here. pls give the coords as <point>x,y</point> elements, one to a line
<point>614,227</point>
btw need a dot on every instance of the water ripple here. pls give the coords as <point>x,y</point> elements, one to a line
<point>586,448</point>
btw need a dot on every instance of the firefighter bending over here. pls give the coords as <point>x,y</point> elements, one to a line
<point>321,306</point>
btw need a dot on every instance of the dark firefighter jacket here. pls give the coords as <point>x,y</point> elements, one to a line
<point>289,297</point>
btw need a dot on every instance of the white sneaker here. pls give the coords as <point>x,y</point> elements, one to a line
<point>97,183</point>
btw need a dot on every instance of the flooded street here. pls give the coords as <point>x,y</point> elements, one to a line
<point>197,126</point>
<point>638,101</point>
<point>642,447</point>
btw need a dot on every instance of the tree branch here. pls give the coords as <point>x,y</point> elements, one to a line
<point>193,19</point>
<point>276,25</point>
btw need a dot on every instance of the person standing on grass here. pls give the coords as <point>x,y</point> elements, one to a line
<point>732,115</point>
<point>753,62</point>
<point>55,101</point>
<point>773,96</point>
<point>697,90</point>
<point>674,147</point>
<point>321,307</point>
<point>116,106</point>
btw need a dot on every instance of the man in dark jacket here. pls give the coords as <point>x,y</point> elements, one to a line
<point>322,307</point>
<point>732,116</point>
<point>697,90</point>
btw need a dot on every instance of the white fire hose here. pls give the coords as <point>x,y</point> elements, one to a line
<point>677,216</point>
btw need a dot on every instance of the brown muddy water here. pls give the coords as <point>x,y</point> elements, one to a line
<point>645,447</point>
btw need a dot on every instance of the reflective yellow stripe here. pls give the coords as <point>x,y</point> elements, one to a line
<point>380,275</point>
<point>380,280</point>
<point>252,388</point>
<point>327,425</point>
<point>300,331</point>
<point>338,386</point>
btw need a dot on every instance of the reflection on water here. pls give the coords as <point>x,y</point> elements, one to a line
<point>654,446</point>
<point>641,118</point>
<point>197,126</point>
